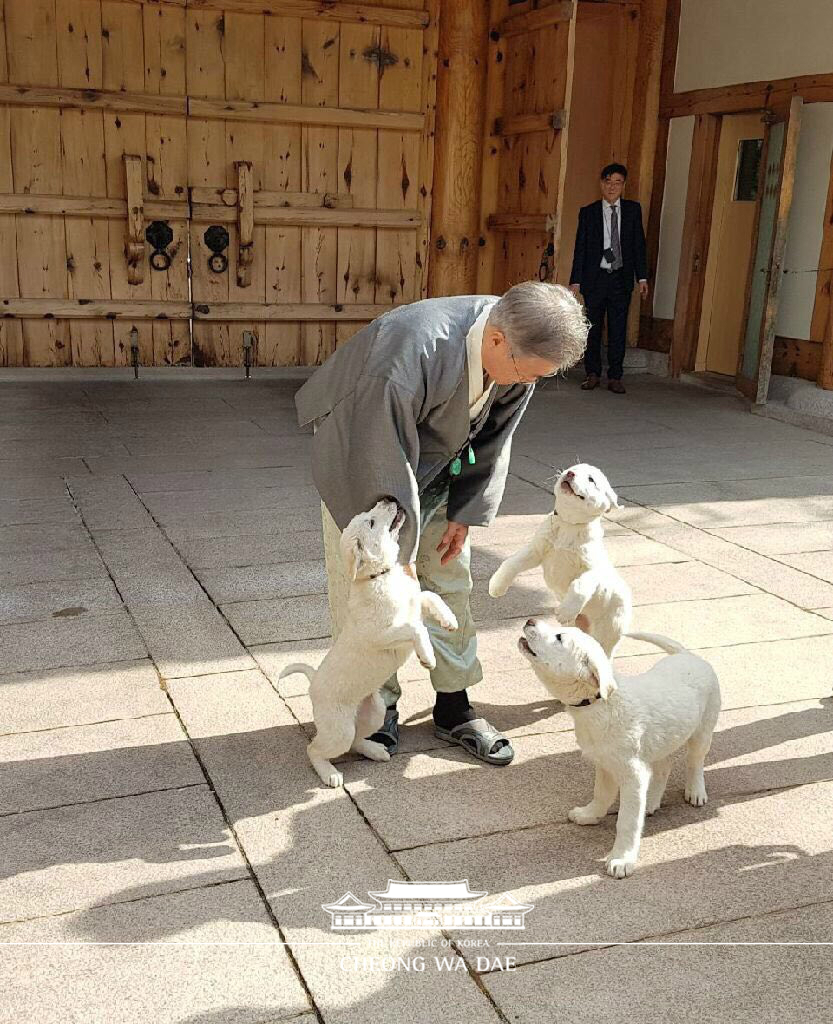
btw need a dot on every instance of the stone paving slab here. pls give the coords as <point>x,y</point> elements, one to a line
<point>115,850</point>
<point>56,599</point>
<point>754,502</point>
<point>189,639</point>
<point>37,536</point>
<point>264,582</point>
<point>287,618</point>
<point>814,563</point>
<point>46,485</point>
<point>761,571</point>
<point>79,696</point>
<point>129,548</point>
<point>780,538</point>
<point>89,762</point>
<point>685,984</point>
<point>752,854</point>
<point>205,955</point>
<point>233,525</point>
<point>220,479</point>
<point>56,643</point>
<point>728,620</point>
<point>308,846</point>
<point>20,511</point>
<point>229,551</point>
<point>48,565</point>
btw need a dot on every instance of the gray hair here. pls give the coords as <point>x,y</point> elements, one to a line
<point>543,320</point>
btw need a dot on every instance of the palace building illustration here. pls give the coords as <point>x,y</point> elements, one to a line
<point>427,905</point>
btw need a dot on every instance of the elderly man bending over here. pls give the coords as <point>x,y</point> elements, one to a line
<point>421,405</point>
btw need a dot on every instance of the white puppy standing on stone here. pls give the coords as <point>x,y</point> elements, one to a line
<point>383,626</point>
<point>569,544</point>
<point>628,726</point>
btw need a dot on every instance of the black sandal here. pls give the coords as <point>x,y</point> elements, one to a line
<point>388,735</point>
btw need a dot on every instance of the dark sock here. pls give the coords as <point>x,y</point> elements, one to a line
<point>452,709</point>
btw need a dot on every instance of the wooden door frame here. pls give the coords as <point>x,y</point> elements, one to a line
<point>694,248</point>
<point>756,390</point>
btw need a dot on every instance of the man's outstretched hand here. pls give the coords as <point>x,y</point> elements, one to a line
<point>452,541</point>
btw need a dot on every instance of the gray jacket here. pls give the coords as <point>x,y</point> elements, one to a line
<point>392,411</point>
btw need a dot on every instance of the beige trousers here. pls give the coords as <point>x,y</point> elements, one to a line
<point>456,653</point>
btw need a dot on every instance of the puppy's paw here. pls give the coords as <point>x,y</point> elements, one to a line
<point>583,816</point>
<point>696,795</point>
<point>371,750</point>
<point>335,780</point>
<point>498,585</point>
<point>448,620</point>
<point>620,867</point>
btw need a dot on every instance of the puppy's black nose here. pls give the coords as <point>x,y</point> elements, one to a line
<point>531,622</point>
<point>570,475</point>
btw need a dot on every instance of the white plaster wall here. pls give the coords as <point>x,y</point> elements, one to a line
<point>723,42</point>
<point>804,230</point>
<point>680,136</point>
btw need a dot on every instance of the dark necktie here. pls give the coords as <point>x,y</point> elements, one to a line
<point>615,244</point>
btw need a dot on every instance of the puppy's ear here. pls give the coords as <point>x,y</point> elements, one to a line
<point>612,497</point>
<point>352,553</point>
<point>602,671</point>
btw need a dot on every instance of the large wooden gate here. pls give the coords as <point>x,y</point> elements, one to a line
<point>176,172</point>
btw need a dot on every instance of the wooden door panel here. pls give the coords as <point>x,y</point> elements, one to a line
<point>524,167</point>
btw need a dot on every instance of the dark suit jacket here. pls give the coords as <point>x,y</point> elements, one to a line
<point>587,255</point>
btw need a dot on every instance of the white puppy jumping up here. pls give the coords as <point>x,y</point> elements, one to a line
<point>628,726</point>
<point>569,544</point>
<point>383,626</point>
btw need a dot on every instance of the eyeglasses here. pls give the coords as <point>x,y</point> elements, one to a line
<point>527,380</point>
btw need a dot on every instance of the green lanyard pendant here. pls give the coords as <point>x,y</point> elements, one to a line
<point>457,463</point>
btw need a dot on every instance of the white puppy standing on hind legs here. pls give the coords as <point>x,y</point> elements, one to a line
<point>628,726</point>
<point>383,626</point>
<point>569,544</point>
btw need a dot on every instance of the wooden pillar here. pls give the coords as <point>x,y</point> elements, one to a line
<point>825,377</point>
<point>455,212</point>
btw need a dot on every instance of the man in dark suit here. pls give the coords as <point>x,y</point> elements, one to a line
<point>608,257</point>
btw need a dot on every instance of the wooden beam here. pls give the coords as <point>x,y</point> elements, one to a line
<point>26,204</point>
<point>644,129</point>
<point>555,219</point>
<point>328,9</point>
<point>666,87</point>
<point>245,223</point>
<point>796,357</point>
<point>491,152</point>
<point>545,17</point>
<point>288,113</point>
<point>520,124</point>
<point>733,99</point>
<point>519,221</point>
<point>459,141</point>
<point>311,217</point>
<point>694,249</point>
<point>825,377</point>
<point>427,155</point>
<point>265,197</point>
<point>285,312</point>
<point>91,99</point>
<point>93,309</point>
<point>147,309</point>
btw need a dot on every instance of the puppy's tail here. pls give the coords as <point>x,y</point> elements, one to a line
<point>664,644</point>
<point>298,666</point>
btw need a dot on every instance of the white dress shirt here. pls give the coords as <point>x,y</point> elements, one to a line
<point>606,212</point>
<point>474,358</point>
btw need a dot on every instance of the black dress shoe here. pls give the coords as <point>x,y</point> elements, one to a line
<point>388,735</point>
